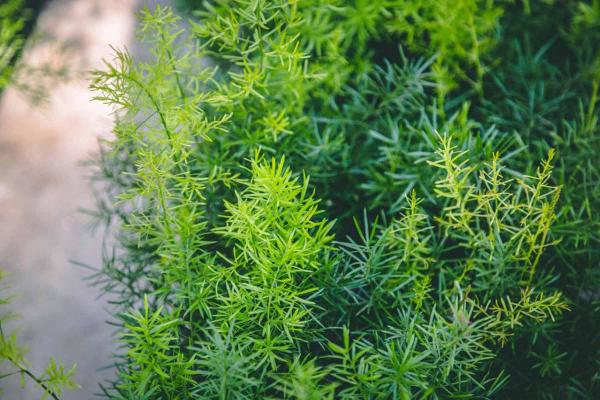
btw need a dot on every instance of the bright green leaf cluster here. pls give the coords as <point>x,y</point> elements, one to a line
<point>12,22</point>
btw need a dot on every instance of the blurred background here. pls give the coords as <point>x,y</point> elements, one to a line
<point>43,186</point>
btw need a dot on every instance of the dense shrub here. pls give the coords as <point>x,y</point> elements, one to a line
<point>355,199</point>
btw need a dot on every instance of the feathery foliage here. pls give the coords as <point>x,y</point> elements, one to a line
<point>356,200</point>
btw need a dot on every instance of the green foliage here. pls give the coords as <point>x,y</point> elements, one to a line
<point>152,357</point>
<point>429,255</point>
<point>12,22</point>
<point>55,378</point>
<point>460,32</point>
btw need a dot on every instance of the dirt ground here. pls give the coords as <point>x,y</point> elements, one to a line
<point>42,186</point>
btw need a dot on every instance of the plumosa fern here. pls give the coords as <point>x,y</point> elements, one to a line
<point>305,210</point>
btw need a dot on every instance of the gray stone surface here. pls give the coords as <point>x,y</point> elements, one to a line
<point>42,186</point>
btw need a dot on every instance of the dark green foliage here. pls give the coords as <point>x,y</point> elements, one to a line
<point>356,199</point>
